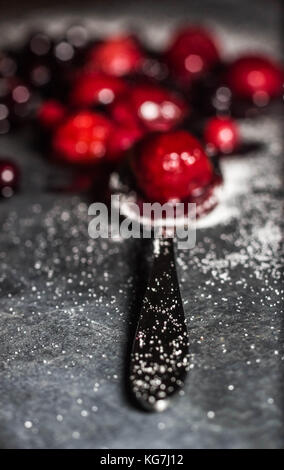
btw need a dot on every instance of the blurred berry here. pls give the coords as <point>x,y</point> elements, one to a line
<point>192,53</point>
<point>153,107</point>
<point>82,138</point>
<point>51,114</point>
<point>9,178</point>
<point>255,78</point>
<point>117,56</point>
<point>8,65</point>
<point>92,89</point>
<point>122,139</point>
<point>221,135</point>
<point>77,35</point>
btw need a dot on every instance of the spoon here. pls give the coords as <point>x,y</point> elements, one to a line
<point>159,356</point>
<point>160,353</point>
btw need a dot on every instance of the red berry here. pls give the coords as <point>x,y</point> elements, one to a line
<point>172,166</point>
<point>122,139</point>
<point>39,44</point>
<point>117,56</point>
<point>19,99</point>
<point>8,65</point>
<point>123,112</point>
<point>9,178</point>
<point>255,77</point>
<point>77,35</point>
<point>221,135</point>
<point>83,138</point>
<point>96,88</point>
<point>50,114</point>
<point>192,53</point>
<point>155,108</point>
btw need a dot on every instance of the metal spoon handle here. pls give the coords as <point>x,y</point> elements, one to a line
<point>159,356</point>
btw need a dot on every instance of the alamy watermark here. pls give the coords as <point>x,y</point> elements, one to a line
<point>125,219</point>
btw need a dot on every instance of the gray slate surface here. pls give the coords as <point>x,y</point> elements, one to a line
<point>66,301</point>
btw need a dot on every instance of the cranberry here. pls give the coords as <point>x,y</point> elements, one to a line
<point>256,78</point>
<point>122,139</point>
<point>82,138</point>
<point>44,63</point>
<point>5,105</point>
<point>63,62</point>
<point>39,44</point>
<point>51,113</point>
<point>37,71</point>
<point>23,102</point>
<point>193,53</point>
<point>40,75</point>
<point>123,112</point>
<point>116,56</point>
<point>17,103</point>
<point>34,60</point>
<point>96,88</point>
<point>153,66</point>
<point>64,52</point>
<point>172,167</point>
<point>221,135</point>
<point>155,108</point>
<point>4,118</point>
<point>77,35</point>
<point>9,178</point>
<point>8,65</point>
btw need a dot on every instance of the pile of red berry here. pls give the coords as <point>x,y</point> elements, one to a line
<point>98,102</point>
